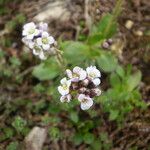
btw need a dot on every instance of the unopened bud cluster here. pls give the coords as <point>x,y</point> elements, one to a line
<point>82,85</point>
<point>37,38</point>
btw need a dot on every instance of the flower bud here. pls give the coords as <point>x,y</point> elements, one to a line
<point>82,90</point>
<point>85,82</point>
<point>96,91</point>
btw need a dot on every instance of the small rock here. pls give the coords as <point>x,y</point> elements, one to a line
<point>54,10</point>
<point>138,33</point>
<point>36,138</point>
<point>129,24</point>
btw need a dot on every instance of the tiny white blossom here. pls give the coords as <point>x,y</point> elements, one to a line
<point>65,98</point>
<point>77,74</point>
<point>96,81</point>
<point>37,50</point>
<point>86,101</point>
<point>94,74</point>
<point>45,40</point>
<point>29,30</point>
<point>64,87</point>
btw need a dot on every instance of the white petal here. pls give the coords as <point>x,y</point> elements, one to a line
<point>77,69</point>
<point>24,33</point>
<point>51,40</point>
<point>31,44</point>
<point>42,56</point>
<point>69,73</point>
<point>36,32</point>
<point>30,36</point>
<point>89,69</point>
<point>65,98</point>
<point>87,105</point>
<point>68,83</point>
<point>43,26</point>
<point>62,91</point>
<point>45,34</point>
<point>81,97</point>
<point>27,25</point>
<point>96,81</point>
<point>35,52</point>
<point>45,46</point>
<point>63,81</point>
<point>97,72</point>
<point>39,41</point>
<point>75,79</point>
<point>82,75</point>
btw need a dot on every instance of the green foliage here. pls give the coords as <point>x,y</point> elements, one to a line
<point>74,117</point>
<point>75,52</point>
<point>54,133</point>
<point>104,28</point>
<point>15,62</point>
<point>13,146</point>
<point>19,124</point>
<point>123,95</point>
<point>107,62</point>
<point>77,139</point>
<point>47,70</point>
<point>88,138</point>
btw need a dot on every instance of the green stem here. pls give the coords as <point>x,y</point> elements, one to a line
<point>60,60</point>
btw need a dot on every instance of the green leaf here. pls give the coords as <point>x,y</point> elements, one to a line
<point>113,114</point>
<point>78,138</point>
<point>96,145</point>
<point>107,26</point>
<point>46,71</point>
<point>75,52</point>
<point>8,132</point>
<point>15,61</point>
<point>19,124</point>
<point>54,133</point>
<point>74,117</point>
<point>107,62</point>
<point>114,80</point>
<point>13,146</point>
<point>88,138</point>
<point>134,80</point>
<point>120,71</point>
<point>95,38</point>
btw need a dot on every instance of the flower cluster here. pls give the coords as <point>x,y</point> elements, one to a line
<point>81,84</point>
<point>38,39</point>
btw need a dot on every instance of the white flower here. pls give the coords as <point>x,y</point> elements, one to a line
<point>45,41</point>
<point>43,26</point>
<point>65,98</point>
<point>28,42</point>
<point>37,50</point>
<point>86,101</point>
<point>64,87</point>
<point>93,74</point>
<point>29,30</point>
<point>77,74</point>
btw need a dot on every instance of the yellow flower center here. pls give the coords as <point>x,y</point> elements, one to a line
<point>92,75</point>
<point>65,87</point>
<point>31,31</point>
<point>45,40</point>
